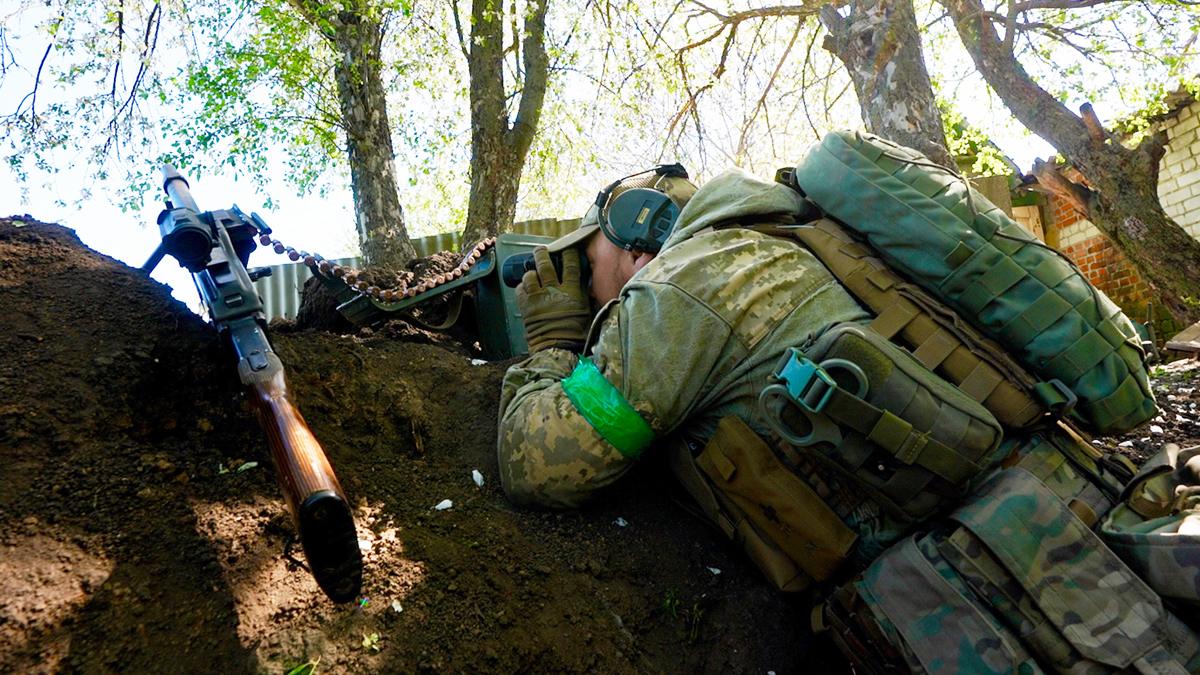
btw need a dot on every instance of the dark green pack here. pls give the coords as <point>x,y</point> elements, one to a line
<point>932,228</point>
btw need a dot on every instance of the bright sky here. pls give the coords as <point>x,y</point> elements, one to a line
<point>317,223</point>
<point>321,224</point>
<point>132,236</point>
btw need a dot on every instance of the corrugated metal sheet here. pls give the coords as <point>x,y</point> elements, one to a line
<point>280,292</point>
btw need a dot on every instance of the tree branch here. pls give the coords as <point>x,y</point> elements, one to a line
<point>762,100</point>
<point>1050,176</point>
<point>37,79</point>
<point>805,8</point>
<point>1033,106</point>
<point>462,41</point>
<point>1092,122</point>
<point>536,71</point>
<point>1022,7</point>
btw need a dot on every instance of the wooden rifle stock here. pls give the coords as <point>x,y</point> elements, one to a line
<point>319,508</point>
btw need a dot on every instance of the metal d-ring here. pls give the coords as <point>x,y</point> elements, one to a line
<point>774,399</point>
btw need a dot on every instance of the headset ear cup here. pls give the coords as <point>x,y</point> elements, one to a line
<point>641,218</point>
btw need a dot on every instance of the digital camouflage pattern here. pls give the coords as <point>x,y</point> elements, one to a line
<point>692,339</point>
<point>1015,582</point>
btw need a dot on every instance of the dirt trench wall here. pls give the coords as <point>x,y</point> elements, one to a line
<point>141,529</point>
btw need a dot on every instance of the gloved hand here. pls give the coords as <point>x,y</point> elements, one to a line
<point>556,310</point>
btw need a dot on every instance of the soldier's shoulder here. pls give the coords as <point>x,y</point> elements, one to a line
<point>702,264</point>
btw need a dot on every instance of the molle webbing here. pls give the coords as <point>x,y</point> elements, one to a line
<point>929,226</point>
<point>906,437</point>
<point>937,337</point>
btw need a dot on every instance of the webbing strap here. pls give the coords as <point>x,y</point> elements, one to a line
<point>981,381</point>
<point>1002,277</point>
<point>999,277</point>
<point>936,348</point>
<point>897,436</point>
<point>1127,399</point>
<point>1110,331</point>
<point>1051,271</point>
<point>959,255</point>
<point>1052,395</point>
<point>1077,359</point>
<point>893,319</point>
<point>1034,319</point>
<point>981,223</point>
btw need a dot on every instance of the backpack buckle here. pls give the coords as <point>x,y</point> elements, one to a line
<point>806,382</point>
<point>1057,397</point>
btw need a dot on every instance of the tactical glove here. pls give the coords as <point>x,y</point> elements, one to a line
<point>556,310</point>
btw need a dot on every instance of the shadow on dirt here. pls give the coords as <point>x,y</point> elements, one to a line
<point>141,529</point>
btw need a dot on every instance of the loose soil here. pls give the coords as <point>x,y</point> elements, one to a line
<point>141,529</point>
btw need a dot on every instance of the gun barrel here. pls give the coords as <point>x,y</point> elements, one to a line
<point>177,188</point>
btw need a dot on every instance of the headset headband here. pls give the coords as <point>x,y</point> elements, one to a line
<point>646,215</point>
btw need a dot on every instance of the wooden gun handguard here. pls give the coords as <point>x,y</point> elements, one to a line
<point>319,508</point>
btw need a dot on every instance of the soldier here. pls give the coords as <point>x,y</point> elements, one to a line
<point>687,332</point>
<point>697,305</point>
<point>693,317</point>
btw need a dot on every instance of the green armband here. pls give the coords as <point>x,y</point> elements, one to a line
<point>603,406</point>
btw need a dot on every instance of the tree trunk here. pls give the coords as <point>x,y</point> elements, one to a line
<point>1121,195</point>
<point>881,48</point>
<point>356,36</point>
<point>498,150</point>
<point>379,216</point>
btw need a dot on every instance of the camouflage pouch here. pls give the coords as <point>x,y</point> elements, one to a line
<point>758,502</point>
<point>1156,530</point>
<point>1015,583</point>
<point>870,411</point>
<point>1087,481</point>
<point>929,225</point>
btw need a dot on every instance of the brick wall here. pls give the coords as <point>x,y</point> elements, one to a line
<point>1179,172</point>
<point>1179,192</point>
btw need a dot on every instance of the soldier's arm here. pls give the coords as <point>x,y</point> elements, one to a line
<point>569,427</point>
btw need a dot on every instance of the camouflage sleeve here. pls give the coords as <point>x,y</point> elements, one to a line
<point>549,453</point>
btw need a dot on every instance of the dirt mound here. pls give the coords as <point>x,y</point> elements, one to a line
<point>141,529</point>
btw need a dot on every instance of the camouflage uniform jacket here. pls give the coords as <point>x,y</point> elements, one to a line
<point>692,339</point>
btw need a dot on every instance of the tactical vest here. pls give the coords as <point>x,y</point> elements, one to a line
<point>917,458</point>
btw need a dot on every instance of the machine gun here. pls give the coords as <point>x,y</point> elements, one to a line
<point>215,247</point>
<point>489,273</point>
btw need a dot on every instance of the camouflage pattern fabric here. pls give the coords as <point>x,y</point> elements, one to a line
<point>692,339</point>
<point>1018,585</point>
<point>1165,551</point>
<point>1157,530</point>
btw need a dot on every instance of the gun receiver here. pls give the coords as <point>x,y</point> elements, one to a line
<point>215,247</point>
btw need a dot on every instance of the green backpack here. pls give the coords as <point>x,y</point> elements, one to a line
<point>931,227</point>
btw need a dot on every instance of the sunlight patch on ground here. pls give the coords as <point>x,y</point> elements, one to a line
<point>276,599</point>
<point>48,576</point>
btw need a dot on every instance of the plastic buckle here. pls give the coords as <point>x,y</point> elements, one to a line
<point>1060,410</point>
<point>807,383</point>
